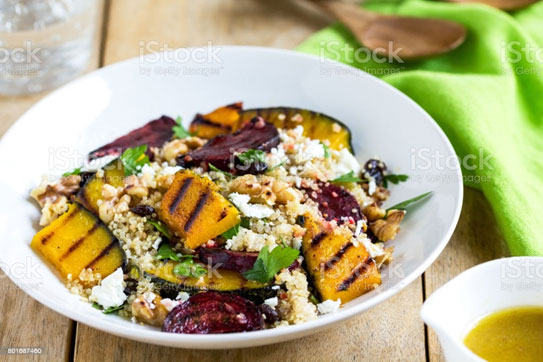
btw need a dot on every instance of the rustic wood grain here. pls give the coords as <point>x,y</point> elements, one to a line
<point>267,23</point>
<point>23,321</point>
<point>475,240</point>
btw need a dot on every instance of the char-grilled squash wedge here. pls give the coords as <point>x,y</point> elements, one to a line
<point>223,120</point>
<point>91,191</point>
<point>316,125</point>
<point>195,210</point>
<point>78,240</point>
<point>339,269</point>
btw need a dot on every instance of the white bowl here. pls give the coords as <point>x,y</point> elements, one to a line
<point>95,109</point>
<point>455,308</point>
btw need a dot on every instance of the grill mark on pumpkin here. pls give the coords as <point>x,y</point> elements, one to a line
<point>80,241</point>
<point>180,194</point>
<point>68,217</point>
<point>197,210</point>
<point>103,253</point>
<point>318,238</point>
<point>337,257</point>
<point>346,283</point>
<point>203,121</point>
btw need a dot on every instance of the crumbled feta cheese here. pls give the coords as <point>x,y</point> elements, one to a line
<point>110,292</point>
<point>329,306</point>
<point>297,243</point>
<point>313,149</point>
<point>371,187</point>
<point>98,163</point>
<point>169,304</point>
<point>147,170</point>
<point>182,296</point>
<point>359,225</point>
<point>346,163</point>
<point>275,287</point>
<point>170,170</point>
<point>251,210</point>
<point>272,302</point>
<point>149,297</point>
<point>157,243</point>
<point>373,249</point>
<point>298,131</point>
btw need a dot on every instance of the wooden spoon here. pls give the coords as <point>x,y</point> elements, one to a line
<point>500,4</point>
<point>397,36</point>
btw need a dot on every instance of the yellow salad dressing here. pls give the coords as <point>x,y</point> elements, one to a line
<point>513,334</point>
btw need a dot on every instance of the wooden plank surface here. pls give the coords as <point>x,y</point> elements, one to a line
<point>23,321</point>
<point>392,331</point>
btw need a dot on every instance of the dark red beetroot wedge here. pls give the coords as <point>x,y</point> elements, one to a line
<point>211,313</point>
<point>239,261</point>
<point>153,134</point>
<point>335,202</point>
<point>227,259</point>
<point>256,134</point>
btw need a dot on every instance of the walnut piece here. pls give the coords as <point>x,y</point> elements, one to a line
<point>386,229</point>
<point>374,212</point>
<point>266,190</point>
<point>50,193</point>
<point>151,312</point>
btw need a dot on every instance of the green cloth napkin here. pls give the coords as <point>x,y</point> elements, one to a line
<point>487,96</point>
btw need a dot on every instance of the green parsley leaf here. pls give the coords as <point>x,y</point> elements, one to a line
<point>245,222</point>
<point>406,203</point>
<point>348,177</point>
<point>161,228</point>
<point>179,131</point>
<point>166,252</point>
<point>326,150</point>
<point>76,171</point>
<point>187,268</point>
<point>134,159</point>
<point>111,310</point>
<point>268,264</point>
<point>252,156</point>
<point>395,179</point>
<point>230,233</point>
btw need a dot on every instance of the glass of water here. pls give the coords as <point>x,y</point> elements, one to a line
<point>44,43</point>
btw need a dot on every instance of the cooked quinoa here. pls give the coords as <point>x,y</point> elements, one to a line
<point>273,206</point>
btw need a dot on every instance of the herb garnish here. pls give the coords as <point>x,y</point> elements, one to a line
<point>252,156</point>
<point>348,177</point>
<point>134,159</point>
<point>233,231</point>
<point>76,171</point>
<point>161,228</point>
<point>395,179</point>
<point>326,150</point>
<point>268,264</point>
<point>403,205</point>
<point>213,168</point>
<point>187,268</point>
<point>179,131</point>
<point>166,252</point>
<point>109,310</point>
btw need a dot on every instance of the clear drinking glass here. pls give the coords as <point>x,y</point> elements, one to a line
<point>44,43</point>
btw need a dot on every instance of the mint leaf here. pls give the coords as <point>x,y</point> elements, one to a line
<point>76,171</point>
<point>161,228</point>
<point>134,159</point>
<point>179,131</point>
<point>166,252</point>
<point>403,205</point>
<point>268,264</point>
<point>395,179</point>
<point>348,177</point>
<point>252,156</point>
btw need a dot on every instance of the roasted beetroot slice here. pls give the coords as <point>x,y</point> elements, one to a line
<point>153,134</point>
<point>256,134</point>
<point>335,203</point>
<point>211,313</point>
<point>227,259</point>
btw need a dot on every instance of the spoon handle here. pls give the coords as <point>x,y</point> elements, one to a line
<point>350,14</point>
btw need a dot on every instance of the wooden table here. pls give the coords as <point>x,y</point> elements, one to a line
<point>392,331</point>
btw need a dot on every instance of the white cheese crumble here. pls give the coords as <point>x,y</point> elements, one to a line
<point>147,170</point>
<point>329,306</point>
<point>371,187</point>
<point>157,242</point>
<point>170,170</point>
<point>149,297</point>
<point>110,292</point>
<point>272,302</point>
<point>250,210</point>
<point>182,296</point>
<point>373,249</point>
<point>346,163</point>
<point>359,225</point>
<point>313,149</point>
<point>169,304</point>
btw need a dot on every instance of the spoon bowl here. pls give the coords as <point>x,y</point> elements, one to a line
<point>398,37</point>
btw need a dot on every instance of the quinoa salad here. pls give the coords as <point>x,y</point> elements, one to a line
<point>247,220</point>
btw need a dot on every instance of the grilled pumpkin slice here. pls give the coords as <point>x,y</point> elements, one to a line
<point>194,209</point>
<point>223,120</point>
<point>78,240</point>
<point>340,269</point>
<point>91,192</point>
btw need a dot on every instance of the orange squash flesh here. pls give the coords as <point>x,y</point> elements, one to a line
<point>193,209</point>
<point>223,120</point>
<point>340,269</point>
<point>78,240</point>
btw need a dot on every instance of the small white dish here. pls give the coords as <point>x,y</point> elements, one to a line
<point>56,134</point>
<point>455,308</point>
